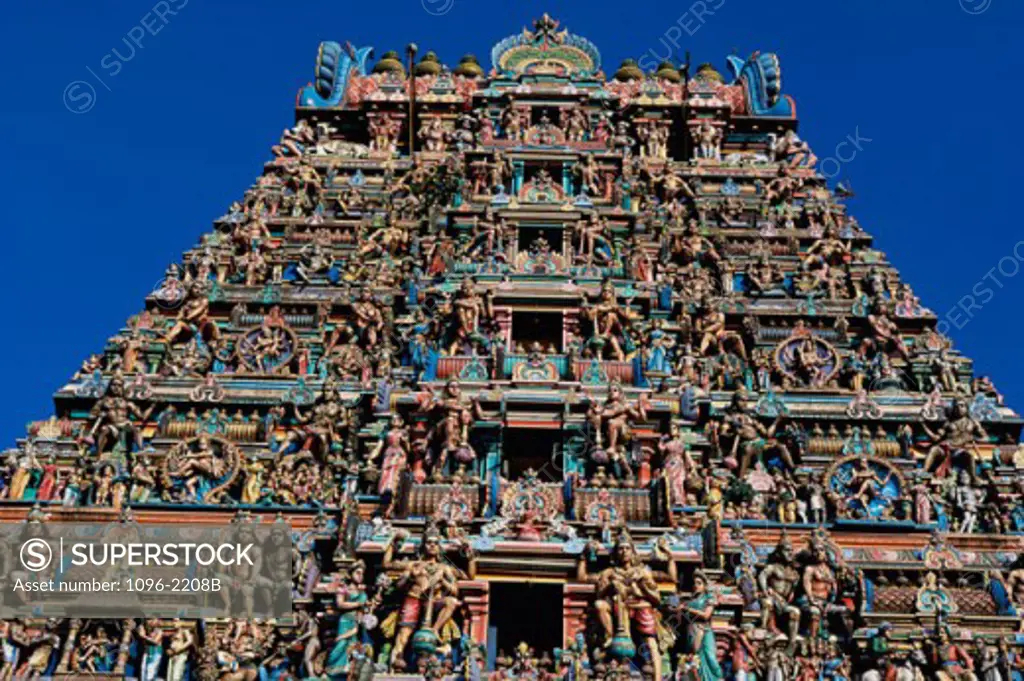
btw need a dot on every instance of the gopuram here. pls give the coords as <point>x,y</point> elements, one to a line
<point>551,372</point>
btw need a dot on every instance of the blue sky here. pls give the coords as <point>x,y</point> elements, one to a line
<point>99,201</point>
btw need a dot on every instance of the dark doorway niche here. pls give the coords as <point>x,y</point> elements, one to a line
<point>524,449</point>
<point>543,328</point>
<point>525,612</point>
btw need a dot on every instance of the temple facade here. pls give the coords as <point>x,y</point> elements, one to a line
<point>550,371</point>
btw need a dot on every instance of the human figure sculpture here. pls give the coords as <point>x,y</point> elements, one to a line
<point>707,139</point>
<point>794,151</point>
<point>968,501</point>
<point>369,319</point>
<point>295,140</point>
<point>514,123</point>
<point>395,449</point>
<point>575,124</point>
<point>818,585</point>
<point>322,426</point>
<point>956,438</point>
<point>384,129</point>
<point>431,593</point>
<point>610,321</point>
<point>353,604</point>
<point>611,424</point>
<point>654,140</point>
<point>885,333</point>
<point>467,311</point>
<point>112,418</point>
<point>699,611</point>
<point>315,258</point>
<point>778,582</point>
<point>592,235</point>
<point>197,465</point>
<point>433,134</point>
<point>865,484</point>
<point>589,174</point>
<point>452,414</point>
<point>627,599</point>
<point>678,464</point>
<point>952,662</point>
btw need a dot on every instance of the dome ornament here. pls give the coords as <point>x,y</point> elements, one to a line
<point>546,51</point>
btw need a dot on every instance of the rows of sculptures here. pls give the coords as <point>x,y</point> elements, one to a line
<point>614,336</point>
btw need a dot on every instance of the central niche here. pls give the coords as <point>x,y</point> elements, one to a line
<point>524,612</point>
<point>533,449</point>
<point>536,330</point>
<point>540,248</point>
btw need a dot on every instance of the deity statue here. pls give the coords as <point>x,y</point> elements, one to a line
<point>707,139</point>
<point>369,318</point>
<point>593,238</point>
<point>384,129</point>
<point>658,349</point>
<point>622,141</point>
<point>112,419</point>
<point>488,235</point>
<point>677,465</point>
<point>514,123</point>
<point>26,467</point>
<point>295,141</point>
<point>952,662</point>
<point>956,439</point>
<point>653,139</point>
<point>395,448</point>
<point>968,501</point>
<point>467,311</point>
<point>699,611</point>
<point>793,151</point>
<point>575,123</point>
<point>778,582</point>
<point>589,173</point>
<point>94,652</point>
<point>389,238</point>
<point>321,427</point>
<point>354,606</point>
<point>746,663</point>
<point>751,439</point>
<point>430,599</point>
<point>500,171</point>
<point>610,321</point>
<point>818,587</point>
<point>433,134</point>
<point>763,275</point>
<point>39,648</point>
<point>315,258</point>
<point>196,470</point>
<point>610,424</point>
<point>627,599</point>
<point>452,415</point>
<point>151,635</point>
<point>865,485</point>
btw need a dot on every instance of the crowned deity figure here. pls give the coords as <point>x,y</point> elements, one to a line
<point>701,637</point>
<point>956,439</point>
<point>610,321</point>
<point>430,585</point>
<point>453,415</point>
<point>112,418</point>
<point>778,582</point>
<point>394,447</point>
<point>610,423</point>
<point>467,311</point>
<point>750,438</point>
<point>627,600</point>
<point>323,425</point>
